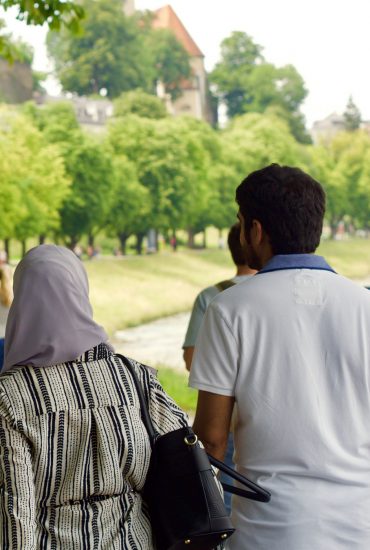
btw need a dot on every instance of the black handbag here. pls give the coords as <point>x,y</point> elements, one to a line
<point>184,502</point>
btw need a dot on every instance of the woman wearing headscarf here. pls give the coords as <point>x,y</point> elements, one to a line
<point>74,452</point>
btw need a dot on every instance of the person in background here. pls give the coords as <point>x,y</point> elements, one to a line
<point>6,296</point>
<point>243,273</point>
<point>291,349</point>
<point>74,452</point>
<point>204,298</point>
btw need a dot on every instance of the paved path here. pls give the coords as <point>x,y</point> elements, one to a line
<point>155,343</point>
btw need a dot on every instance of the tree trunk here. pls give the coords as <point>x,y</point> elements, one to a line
<point>139,242</point>
<point>191,236</point>
<point>23,243</point>
<point>91,240</point>
<point>72,243</point>
<point>7,248</point>
<point>204,238</point>
<point>333,229</point>
<point>42,239</point>
<point>123,241</point>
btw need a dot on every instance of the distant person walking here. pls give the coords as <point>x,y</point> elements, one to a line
<point>204,298</point>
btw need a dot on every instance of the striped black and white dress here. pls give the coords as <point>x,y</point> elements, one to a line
<point>74,454</point>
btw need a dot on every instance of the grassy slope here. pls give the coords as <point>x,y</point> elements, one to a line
<point>128,292</point>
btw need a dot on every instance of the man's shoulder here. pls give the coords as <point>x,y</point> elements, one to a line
<point>207,294</point>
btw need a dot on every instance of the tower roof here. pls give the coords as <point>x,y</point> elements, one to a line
<point>166,18</point>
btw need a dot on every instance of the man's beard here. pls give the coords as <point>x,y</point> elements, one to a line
<point>251,256</point>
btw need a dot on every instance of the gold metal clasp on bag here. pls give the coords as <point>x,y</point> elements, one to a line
<point>190,440</point>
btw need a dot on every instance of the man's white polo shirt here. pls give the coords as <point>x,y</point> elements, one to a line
<point>292,344</point>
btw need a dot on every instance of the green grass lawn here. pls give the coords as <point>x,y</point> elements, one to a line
<point>176,385</point>
<point>129,291</point>
<point>349,258</point>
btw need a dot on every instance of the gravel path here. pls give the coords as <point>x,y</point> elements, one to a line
<point>156,343</point>
<point>159,342</point>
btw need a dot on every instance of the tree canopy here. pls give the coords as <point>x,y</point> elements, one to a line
<point>138,102</point>
<point>352,116</point>
<point>246,82</point>
<point>56,14</point>
<point>116,53</point>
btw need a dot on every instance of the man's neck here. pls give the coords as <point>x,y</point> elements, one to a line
<point>244,270</point>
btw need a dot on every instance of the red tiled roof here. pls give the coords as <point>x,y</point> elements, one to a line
<point>166,18</point>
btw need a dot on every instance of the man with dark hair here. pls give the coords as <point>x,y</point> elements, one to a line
<point>291,351</point>
<point>243,272</point>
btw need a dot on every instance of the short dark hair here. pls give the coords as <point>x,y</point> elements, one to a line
<point>289,204</point>
<point>233,241</point>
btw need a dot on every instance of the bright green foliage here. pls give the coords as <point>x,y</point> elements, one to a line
<point>55,13</point>
<point>90,169</point>
<point>160,153</point>
<point>57,121</point>
<point>247,83</point>
<point>352,116</point>
<point>138,102</point>
<point>129,202</point>
<point>342,166</point>
<point>256,140</point>
<point>34,182</point>
<point>88,165</point>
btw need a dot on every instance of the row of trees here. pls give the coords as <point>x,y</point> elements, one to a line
<point>159,173</point>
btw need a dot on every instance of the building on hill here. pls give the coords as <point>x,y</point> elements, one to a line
<point>194,98</point>
<point>325,129</point>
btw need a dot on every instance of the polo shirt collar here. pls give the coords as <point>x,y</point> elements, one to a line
<point>296,261</point>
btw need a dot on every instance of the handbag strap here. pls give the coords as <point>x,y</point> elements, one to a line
<point>145,416</point>
<point>257,493</point>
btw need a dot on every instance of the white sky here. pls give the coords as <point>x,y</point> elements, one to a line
<point>328,41</point>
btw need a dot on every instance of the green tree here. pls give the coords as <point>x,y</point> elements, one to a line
<point>56,14</point>
<point>116,53</point>
<point>160,151</point>
<point>341,166</point>
<point>352,116</point>
<point>129,203</point>
<point>34,182</point>
<point>256,140</point>
<point>138,102</point>
<point>169,58</point>
<point>88,165</point>
<point>247,83</point>
<point>105,54</point>
<point>84,212</point>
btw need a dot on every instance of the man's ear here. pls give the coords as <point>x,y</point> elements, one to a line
<point>257,233</point>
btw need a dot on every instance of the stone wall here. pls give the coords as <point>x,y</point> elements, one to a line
<point>15,82</point>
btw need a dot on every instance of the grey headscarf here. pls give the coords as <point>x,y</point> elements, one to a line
<point>51,319</point>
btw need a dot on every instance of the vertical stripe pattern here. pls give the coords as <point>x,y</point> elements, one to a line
<point>74,454</point>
